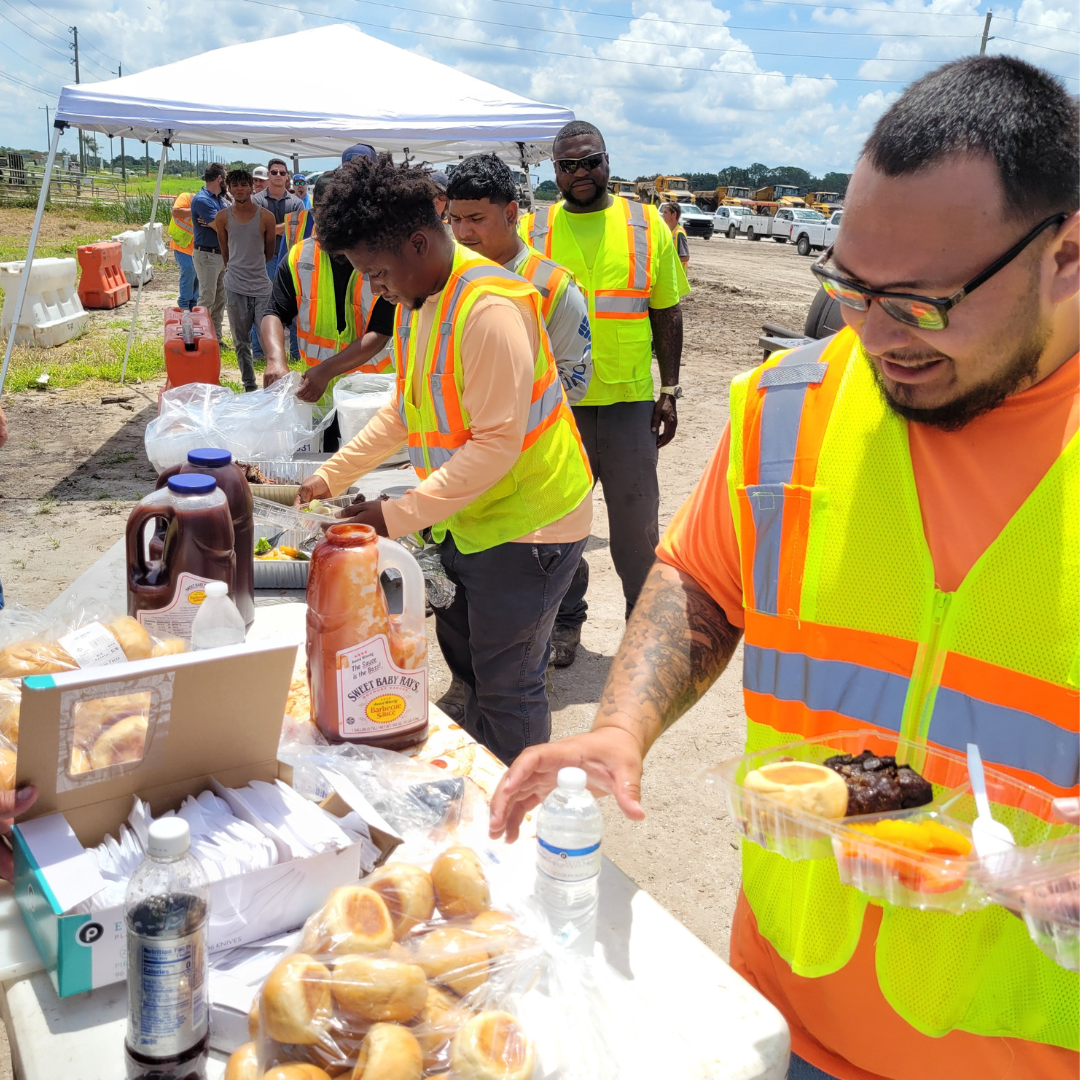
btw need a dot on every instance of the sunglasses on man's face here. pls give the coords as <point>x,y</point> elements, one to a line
<point>571,165</point>
<point>925,312</point>
<point>278,172</point>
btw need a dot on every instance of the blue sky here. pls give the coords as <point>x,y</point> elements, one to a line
<point>674,84</point>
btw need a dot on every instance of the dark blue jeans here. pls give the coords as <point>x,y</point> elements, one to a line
<point>496,637</point>
<point>799,1069</point>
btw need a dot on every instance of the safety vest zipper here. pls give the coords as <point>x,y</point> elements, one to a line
<point>926,675</point>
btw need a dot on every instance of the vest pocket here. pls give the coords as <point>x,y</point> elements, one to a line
<point>635,349</point>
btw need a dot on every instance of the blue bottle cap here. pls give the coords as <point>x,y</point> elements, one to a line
<point>192,484</point>
<point>209,458</point>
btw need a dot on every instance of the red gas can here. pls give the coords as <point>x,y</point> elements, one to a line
<point>195,360</point>
<point>102,283</point>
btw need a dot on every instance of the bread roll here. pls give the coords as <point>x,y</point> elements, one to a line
<point>353,920</point>
<point>498,930</point>
<point>296,1001</point>
<point>10,701</point>
<point>243,1063</point>
<point>460,885</point>
<point>134,640</point>
<point>438,1023</point>
<point>491,1046</point>
<point>296,1070</point>
<point>253,1018</point>
<point>801,785</point>
<point>169,647</point>
<point>455,958</point>
<point>34,658</point>
<point>119,743</point>
<point>408,893</point>
<point>389,1052</point>
<point>375,989</point>
<point>7,769</point>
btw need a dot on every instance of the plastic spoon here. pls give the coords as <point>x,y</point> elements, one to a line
<point>989,836</point>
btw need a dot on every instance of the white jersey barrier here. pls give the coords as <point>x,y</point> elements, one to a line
<point>157,247</point>
<point>135,260</point>
<point>52,312</point>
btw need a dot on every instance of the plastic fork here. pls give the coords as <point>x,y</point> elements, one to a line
<point>989,836</point>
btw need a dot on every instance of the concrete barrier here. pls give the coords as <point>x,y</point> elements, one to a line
<point>52,312</point>
<point>135,260</point>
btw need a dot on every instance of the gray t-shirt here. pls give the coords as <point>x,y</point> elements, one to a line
<point>287,204</point>
<point>246,272</point>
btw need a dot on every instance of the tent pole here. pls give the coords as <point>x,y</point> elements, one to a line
<point>147,232</point>
<point>24,277</point>
<point>528,177</point>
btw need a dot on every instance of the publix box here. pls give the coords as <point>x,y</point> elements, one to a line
<point>200,720</point>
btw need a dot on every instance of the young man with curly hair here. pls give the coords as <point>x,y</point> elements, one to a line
<point>505,483</point>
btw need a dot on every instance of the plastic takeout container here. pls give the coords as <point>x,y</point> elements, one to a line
<point>308,523</point>
<point>276,574</point>
<point>881,869</point>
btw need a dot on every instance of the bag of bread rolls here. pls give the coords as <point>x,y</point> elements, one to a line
<point>413,972</point>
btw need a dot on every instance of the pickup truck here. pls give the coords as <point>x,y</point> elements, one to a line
<point>780,225</point>
<point>695,221</point>
<point>726,219</point>
<point>811,236</point>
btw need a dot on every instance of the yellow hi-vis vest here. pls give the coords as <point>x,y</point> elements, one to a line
<point>316,321</point>
<point>551,476</point>
<point>299,225</point>
<point>181,230</point>
<point>846,630</point>
<point>546,276</point>
<point>617,289</point>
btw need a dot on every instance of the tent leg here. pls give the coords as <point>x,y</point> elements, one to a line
<point>146,230</point>
<point>528,176</point>
<point>24,277</point>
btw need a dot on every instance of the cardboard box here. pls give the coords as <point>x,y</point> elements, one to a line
<point>214,718</point>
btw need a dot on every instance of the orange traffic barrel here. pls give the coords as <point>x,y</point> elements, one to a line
<point>102,283</point>
<point>197,360</point>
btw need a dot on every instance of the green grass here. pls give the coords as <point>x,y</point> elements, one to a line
<point>99,360</point>
<point>170,185</point>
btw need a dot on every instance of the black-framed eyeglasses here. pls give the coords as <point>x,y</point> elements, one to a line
<point>571,165</point>
<point>925,312</point>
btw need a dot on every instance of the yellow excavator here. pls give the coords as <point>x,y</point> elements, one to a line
<point>665,189</point>
<point>824,202</point>
<point>723,196</point>
<point>768,200</point>
<point>626,188</point>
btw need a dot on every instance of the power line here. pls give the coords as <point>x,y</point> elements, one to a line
<point>43,44</point>
<point>23,15</point>
<point>29,86</point>
<point>34,63</point>
<point>1032,45</point>
<point>45,11</point>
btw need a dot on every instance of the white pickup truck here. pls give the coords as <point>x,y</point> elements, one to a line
<point>809,236</point>
<point>780,225</point>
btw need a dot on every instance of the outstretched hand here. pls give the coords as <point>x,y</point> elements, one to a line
<point>611,757</point>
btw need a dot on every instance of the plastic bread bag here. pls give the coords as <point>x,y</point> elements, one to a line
<point>413,972</point>
<point>10,703</point>
<point>439,588</point>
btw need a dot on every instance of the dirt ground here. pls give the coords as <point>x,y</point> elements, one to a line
<point>74,467</point>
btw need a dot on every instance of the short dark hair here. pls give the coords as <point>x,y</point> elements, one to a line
<point>1011,111</point>
<point>575,128</point>
<point>239,176</point>
<point>483,176</point>
<point>375,203</point>
<point>673,206</point>
<point>278,161</point>
<point>321,184</point>
<point>213,171</point>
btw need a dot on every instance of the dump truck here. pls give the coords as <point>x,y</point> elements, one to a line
<point>824,202</point>
<point>723,196</point>
<point>768,200</point>
<point>625,188</point>
<point>664,189</point>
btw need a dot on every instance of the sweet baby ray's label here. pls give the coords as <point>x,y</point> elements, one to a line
<point>175,619</point>
<point>374,694</point>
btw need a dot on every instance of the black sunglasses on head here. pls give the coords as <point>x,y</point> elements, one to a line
<point>925,312</point>
<point>571,165</point>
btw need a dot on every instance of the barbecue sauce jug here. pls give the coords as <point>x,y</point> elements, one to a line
<point>164,594</point>
<point>366,644</point>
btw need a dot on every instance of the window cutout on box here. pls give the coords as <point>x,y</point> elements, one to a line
<point>109,731</point>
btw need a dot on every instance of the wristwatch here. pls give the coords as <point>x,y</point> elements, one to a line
<point>672,391</point>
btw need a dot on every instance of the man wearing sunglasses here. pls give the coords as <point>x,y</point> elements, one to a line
<point>623,257</point>
<point>891,522</point>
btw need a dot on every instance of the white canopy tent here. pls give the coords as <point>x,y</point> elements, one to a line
<point>366,91</point>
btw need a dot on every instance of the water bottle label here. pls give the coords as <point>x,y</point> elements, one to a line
<point>167,1011</point>
<point>175,619</point>
<point>568,864</point>
<point>374,694</point>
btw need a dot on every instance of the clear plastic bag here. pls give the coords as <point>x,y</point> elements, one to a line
<point>357,398</point>
<point>439,588</point>
<point>261,426</point>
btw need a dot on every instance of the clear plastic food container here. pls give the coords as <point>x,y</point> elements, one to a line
<point>308,522</point>
<point>274,574</point>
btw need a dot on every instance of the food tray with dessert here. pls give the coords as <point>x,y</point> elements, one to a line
<point>896,815</point>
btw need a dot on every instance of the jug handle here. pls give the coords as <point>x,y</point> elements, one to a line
<point>136,557</point>
<point>164,477</point>
<point>392,554</point>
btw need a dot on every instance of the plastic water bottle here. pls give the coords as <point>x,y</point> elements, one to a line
<point>187,331</point>
<point>217,622</point>
<point>167,907</point>
<point>569,829</point>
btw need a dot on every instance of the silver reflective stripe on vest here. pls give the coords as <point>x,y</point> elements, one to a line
<point>539,228</point>
<point>781,415</point>
<point>305,272</point>
<point>542,275</point>
<point>1006,736</point>
<point>367,299</point>
<point>545,405</point>
<point>621,305</point>
<point>640,228</point>
<point>402,364</point>
<point>862,693</point>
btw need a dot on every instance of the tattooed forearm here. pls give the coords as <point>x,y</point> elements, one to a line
<point>676,645</point>
<point>667,329</point>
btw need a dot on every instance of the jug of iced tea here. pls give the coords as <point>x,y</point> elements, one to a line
<point>366,644</point>
<point>164,593</point>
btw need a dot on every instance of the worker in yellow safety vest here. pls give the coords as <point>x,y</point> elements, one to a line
<point>504,481</point>
<point>671,212</point>
<point>341,326</point>
<point>622,256</point>
<point>182,243</point>
<point>892,521</point>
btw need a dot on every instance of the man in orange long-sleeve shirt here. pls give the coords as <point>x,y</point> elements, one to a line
<point>505,480</point>
<point>922,462</point>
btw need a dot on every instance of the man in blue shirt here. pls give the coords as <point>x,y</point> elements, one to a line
<point>209,266</point>
<point>300,190</point>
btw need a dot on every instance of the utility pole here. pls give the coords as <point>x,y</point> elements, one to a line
<point>986,33</point>
<point>75,45</point>
<point>123,159</point>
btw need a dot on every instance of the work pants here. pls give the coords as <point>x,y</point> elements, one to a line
<point>622,452</point>
<point>189,281</point>
<point>244,313</point>
<point>496,637</point>
<point>210,268</point>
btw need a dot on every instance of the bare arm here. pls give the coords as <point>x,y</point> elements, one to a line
<point>667,330</point>
<point>356,353</point>
<point>269,234</point>
<point>676,645</point>
<point>221,227</point>
<point>272,336</point>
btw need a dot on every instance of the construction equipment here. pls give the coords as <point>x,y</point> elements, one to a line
<point>664,189</point>
<point>723,196</point>
<point>824,202</point>
<point>768,200</point>
<point>626,189</point>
